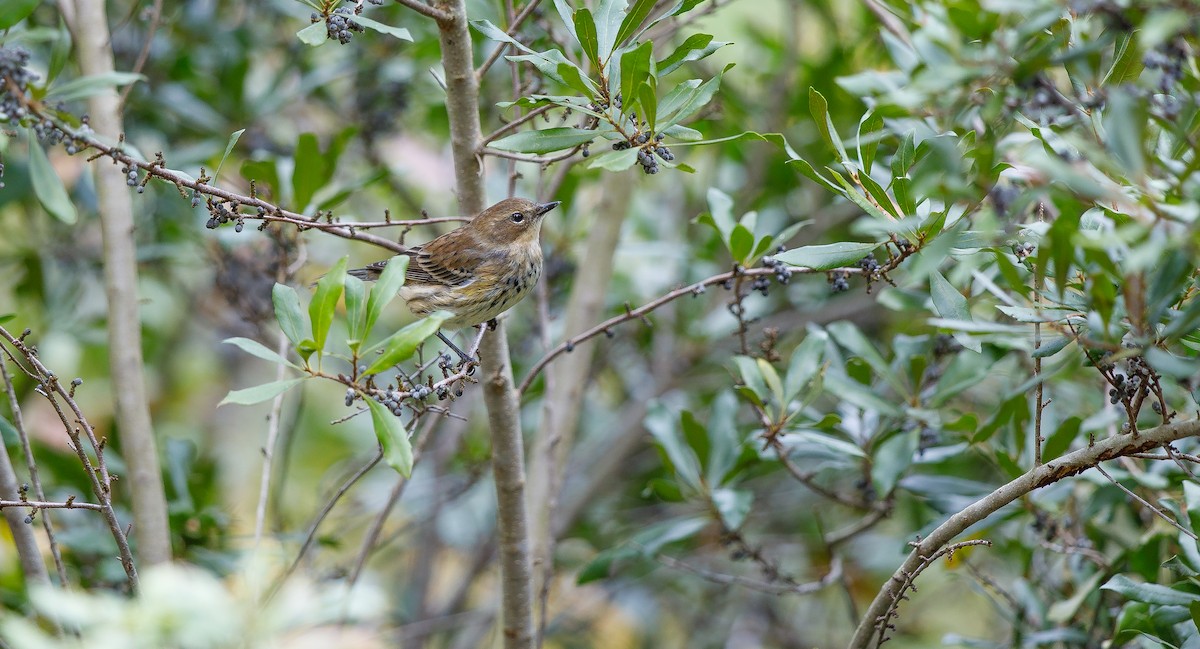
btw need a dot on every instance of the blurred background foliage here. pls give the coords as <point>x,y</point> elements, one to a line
<point>1032,157</point>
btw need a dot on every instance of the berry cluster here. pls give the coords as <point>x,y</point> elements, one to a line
<point>14,83</point>
<point>783,272</point>
<point>869,266</point>
<point>221,213</point>
<point>839,281</point>
<point>1023,250</point>
<point>648,150</point>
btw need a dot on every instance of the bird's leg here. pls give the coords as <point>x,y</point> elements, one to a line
<point>461,353</point>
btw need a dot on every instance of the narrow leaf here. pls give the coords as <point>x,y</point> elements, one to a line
<point>545,140</point>
<point>393,439</point>
<point>14,11</point>
<point>826,256</point>
<point>314,34</point>
<point>233,138</point>
<point>390,281</point>
<point>255,348</point>
<point>396,32</point>
<point>47,185</point>
<point>87,86</point>
<point>260,393</point>
<point>324,302</point>
<point>401,345</point>
<point>287,312</point>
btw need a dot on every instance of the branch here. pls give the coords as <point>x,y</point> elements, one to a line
<point>834,574</point>
<point>640,313</point>
<point>18,422</point>
<point>503,405</point>
<point>97,473</point>
<point>70,503</point>
<point>428,11</point>
<point>126,366</point>
<point>512,30</point>
<point>28,553</point>
<point>1041,476</point>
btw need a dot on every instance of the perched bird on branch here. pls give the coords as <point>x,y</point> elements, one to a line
<point>476,271</point>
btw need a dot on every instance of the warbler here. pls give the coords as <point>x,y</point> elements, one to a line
<point>476,271</point>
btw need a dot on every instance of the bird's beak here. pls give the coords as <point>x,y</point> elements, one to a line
<point>545,207</point>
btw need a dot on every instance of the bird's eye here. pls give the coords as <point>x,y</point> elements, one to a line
<point>517,217</point>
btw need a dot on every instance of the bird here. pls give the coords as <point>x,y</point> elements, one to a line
<point>476,271</point>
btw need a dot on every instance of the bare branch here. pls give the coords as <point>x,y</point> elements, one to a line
<point>1038,477</point>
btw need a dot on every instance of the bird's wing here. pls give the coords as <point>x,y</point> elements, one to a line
<point>449,260</point>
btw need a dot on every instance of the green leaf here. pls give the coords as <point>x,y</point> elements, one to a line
<point>633,19</point>
<point>233,138</point>
<point>356,317</point>
<point>1149,593</point>
<point>820,112</point>
<point>393,439</point>
<point>805,363</point>
<point>47,186</point>
<point>5,317</point>
<point>826,256</point>
<point>741,241</point>
<point>694,48</point>
<point>260,393</point>
<point>60,52</point>
<point>314,34</point>
<point>585,33</point>
<point>287,312</point>
<point>493,32</point>
<point>732,506</point>
<point>892,459</point>
<point>324,302</point>
<point>905,156</point>
<point>14,11</point>
<point>545,140</point>
<point>951,305</point>
<point>554,65</point>
<point>385,289</point>
<point>263,173</point>
<point>1127,62</point>
<point>636,67</point>
<point>87,86</point>
<point>614,160</point>
<point>647,96</point>
<point>661,423</point>
<point>255,348</point>
<point>310,173</point>
<point>565,12</point>
<point>401,345</point>
<point>646,543</point>
<point>695,101</point>
<point>609,16</point>
<point>396,32</point>
<point>1124,131</point>
<point>1060,440</point>
<point>869,125</point>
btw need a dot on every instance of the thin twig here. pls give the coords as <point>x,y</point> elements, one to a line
<point>512,30</point>
<point>834,574</point>
<point>273,427</point>
<point>97,473</point>
<point>311,534</point>
<point>635,314</point>
<point>1157,512</point>
<point>42,504</point>
<point>372,535</point>
<point>144,55</point>
<point>31,466</point>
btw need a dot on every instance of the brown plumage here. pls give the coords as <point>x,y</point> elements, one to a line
<point>477,271</point>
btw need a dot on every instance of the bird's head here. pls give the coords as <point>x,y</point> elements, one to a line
<point>512,220</point>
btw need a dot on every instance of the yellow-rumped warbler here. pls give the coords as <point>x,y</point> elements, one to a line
<point>476,271</point>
